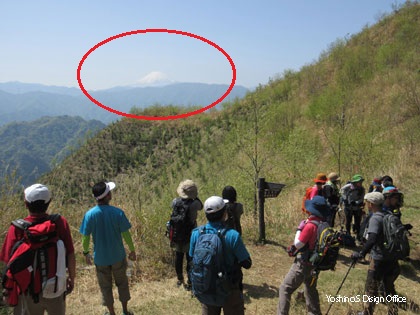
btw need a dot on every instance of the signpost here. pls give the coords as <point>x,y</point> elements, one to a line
<point>265,190</point>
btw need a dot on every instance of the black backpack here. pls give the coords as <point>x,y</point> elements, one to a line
<point>396,245</point>
<point>180,225</point>
<point>327,246</point>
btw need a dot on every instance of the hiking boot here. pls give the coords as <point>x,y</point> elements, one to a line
<point>188,286</point>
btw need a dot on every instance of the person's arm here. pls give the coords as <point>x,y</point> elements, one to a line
<point>71,267</point>
<point>85,246</point>
<point>129,241</point>
<point>247,263</point>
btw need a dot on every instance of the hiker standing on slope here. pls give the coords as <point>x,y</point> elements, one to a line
<point>235,256</point>
<point>302,271</point>
<point>188,199</point>
<point>37,199</point>
<point>108,226</point>
<point>381,267</point>
<point>331,192</point>
<point>352,195</point>
<point>234,209</point>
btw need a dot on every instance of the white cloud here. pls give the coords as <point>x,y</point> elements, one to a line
<point>153,78</point>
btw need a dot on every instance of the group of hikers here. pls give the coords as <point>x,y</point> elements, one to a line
<point>214,252</point>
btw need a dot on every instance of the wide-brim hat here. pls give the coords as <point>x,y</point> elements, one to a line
<point>318,206</point>
<point>333,177</point>
<point>320,178</point>
<point>357,178</point>
<point>187,189</point>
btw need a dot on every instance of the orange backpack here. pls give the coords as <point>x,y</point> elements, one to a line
<point>307,196</point>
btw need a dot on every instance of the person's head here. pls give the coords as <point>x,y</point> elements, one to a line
<point>229,193</point>
<point>187,189</point>
<point>374,201</point>
<point>387,179</point>
<point>318,206</point>
<point>320,179</point>
<point>394,198</point>
<point>215,208</point>
<point>333,177</point>
<point>357,180</point>
<point>37,198</point>
<point>102,192</point>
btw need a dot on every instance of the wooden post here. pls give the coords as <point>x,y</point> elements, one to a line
<point>261,201</point>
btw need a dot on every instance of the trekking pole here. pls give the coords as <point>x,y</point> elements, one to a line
<point>342,282</point>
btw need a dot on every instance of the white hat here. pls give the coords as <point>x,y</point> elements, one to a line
<point>37,192</point>
<point>109,186</point>
<point>375,197</point>
<point>214,204</point>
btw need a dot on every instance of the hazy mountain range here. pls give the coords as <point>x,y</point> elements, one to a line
<point>26,102</point>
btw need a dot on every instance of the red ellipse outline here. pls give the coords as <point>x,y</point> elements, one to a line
<point>156,30</point>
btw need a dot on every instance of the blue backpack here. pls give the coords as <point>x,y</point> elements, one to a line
<point>210,283</point>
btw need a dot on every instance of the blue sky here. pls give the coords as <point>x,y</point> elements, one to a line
<point>43,41</point>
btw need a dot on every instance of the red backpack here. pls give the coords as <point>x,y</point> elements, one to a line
<point>32,265</point>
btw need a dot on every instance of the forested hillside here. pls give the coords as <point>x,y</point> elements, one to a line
<point>31,149</point>
<point>354,110</point>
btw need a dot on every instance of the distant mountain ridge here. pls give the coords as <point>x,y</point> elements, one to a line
<point>25,101</point>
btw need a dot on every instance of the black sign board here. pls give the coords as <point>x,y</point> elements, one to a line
<point>272,190</point>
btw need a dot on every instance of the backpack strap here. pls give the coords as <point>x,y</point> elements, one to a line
<point>21,224</point>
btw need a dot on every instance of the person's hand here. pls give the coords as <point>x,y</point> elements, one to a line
<point>292,250</point>
<point>69,286</point>
<point>356,256</point>
<point>88,259</point>
<point>132,256</point>
<point>408,226</point>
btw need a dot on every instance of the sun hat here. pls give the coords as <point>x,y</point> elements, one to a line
<point>333,176</point>
<point>187,189</point>
<point>37,192</point>
<point>357,178</point>
<point>375,197</point>
<point>391,190</point>
<point>108,187</point>
<point>214,204</point>
<point>320,178</point>
<point>318,206</point>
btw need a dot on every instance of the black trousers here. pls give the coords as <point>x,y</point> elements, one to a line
<point>381,272</point>
<point>179,261</point>
<point>351,212</point>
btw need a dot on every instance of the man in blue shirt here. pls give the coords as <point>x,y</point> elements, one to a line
<point>236,256</point>
<point>108,226</point>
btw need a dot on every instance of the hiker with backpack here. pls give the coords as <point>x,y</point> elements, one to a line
<point>352,195</point>
<point>315,190</point>
<point>108,226</point>
<point>218,254</point>
<point>383,265</point>
<point>234,209</point>
<point>37,251</point>
<point>302,269</point>
<point>183,220</point>
<point>331,193</point>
